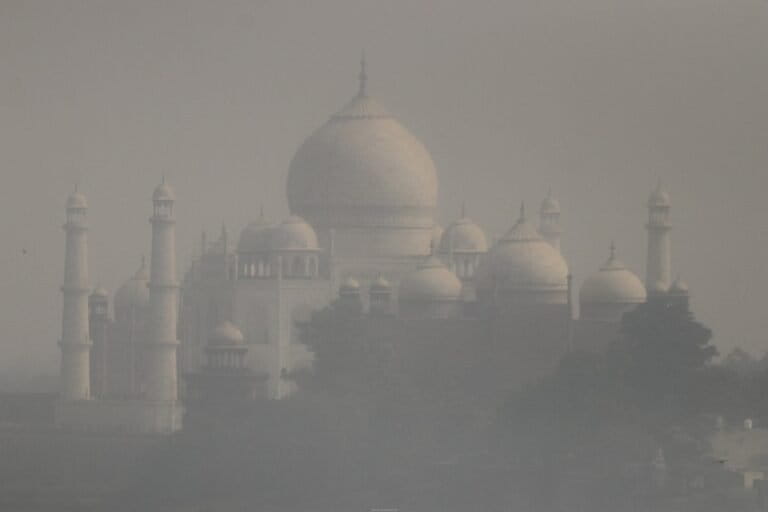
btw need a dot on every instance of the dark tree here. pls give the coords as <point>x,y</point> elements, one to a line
<point>335,335</point>
<point>661,349</point>
<point>600,418</point>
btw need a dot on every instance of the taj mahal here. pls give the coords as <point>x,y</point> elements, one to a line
<point>362,191</point>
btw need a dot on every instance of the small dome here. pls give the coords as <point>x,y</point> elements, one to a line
<point>293,234</point>
<point>350,284</point>
<point>163,193</point>
<point>658,288</point>
<point>523,261</point>
<point>255,237</point>
<point>226,334</point>
<point>431,281</point>
<point>463,236</point>
<point>381,284</point>
<point>76,201</point>
<point>612,284</point>
<point>659,198</point>
<point>134,293</point>
<point>549,205</point>
<point>99,292</point>
<point>679,287</point>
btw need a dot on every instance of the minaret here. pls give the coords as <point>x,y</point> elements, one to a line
<point>160,381</point>
<point>98,305</point>
<point>363,77</point>
<point>549,220</point>
<point>658,274</point>
<point>75,338</point>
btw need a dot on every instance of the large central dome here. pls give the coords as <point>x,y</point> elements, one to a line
<point>363,170</point>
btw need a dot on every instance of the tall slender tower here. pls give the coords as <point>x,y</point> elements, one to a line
<point>549,220</point>
<point>658,274</point>
<point>160,380</point>
<point>98,305</point>
<point>75,339</point>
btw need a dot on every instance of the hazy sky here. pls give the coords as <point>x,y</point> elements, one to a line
<point>596,98</point>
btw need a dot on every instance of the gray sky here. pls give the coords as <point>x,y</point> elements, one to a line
<point>596,98</point>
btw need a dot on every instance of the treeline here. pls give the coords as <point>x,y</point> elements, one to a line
<point>371,428</point>
<point>591,434</point>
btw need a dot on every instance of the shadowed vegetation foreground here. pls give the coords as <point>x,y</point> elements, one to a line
<point>369,431</point>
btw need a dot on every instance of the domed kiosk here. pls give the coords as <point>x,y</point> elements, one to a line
<point>365,178</point>
<point>224,383</point>
<point>294,242</point>
<point>77,201</point>
<point>292,245</point>
<point>462,245</point>
<point>463,236</point>
<point>349,295</point>
<point>253,249</point>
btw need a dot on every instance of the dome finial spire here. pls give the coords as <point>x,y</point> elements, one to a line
<point>363,76</point>
<point>613,250</point>
<point>463,209</point>
<point>522,211</point>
